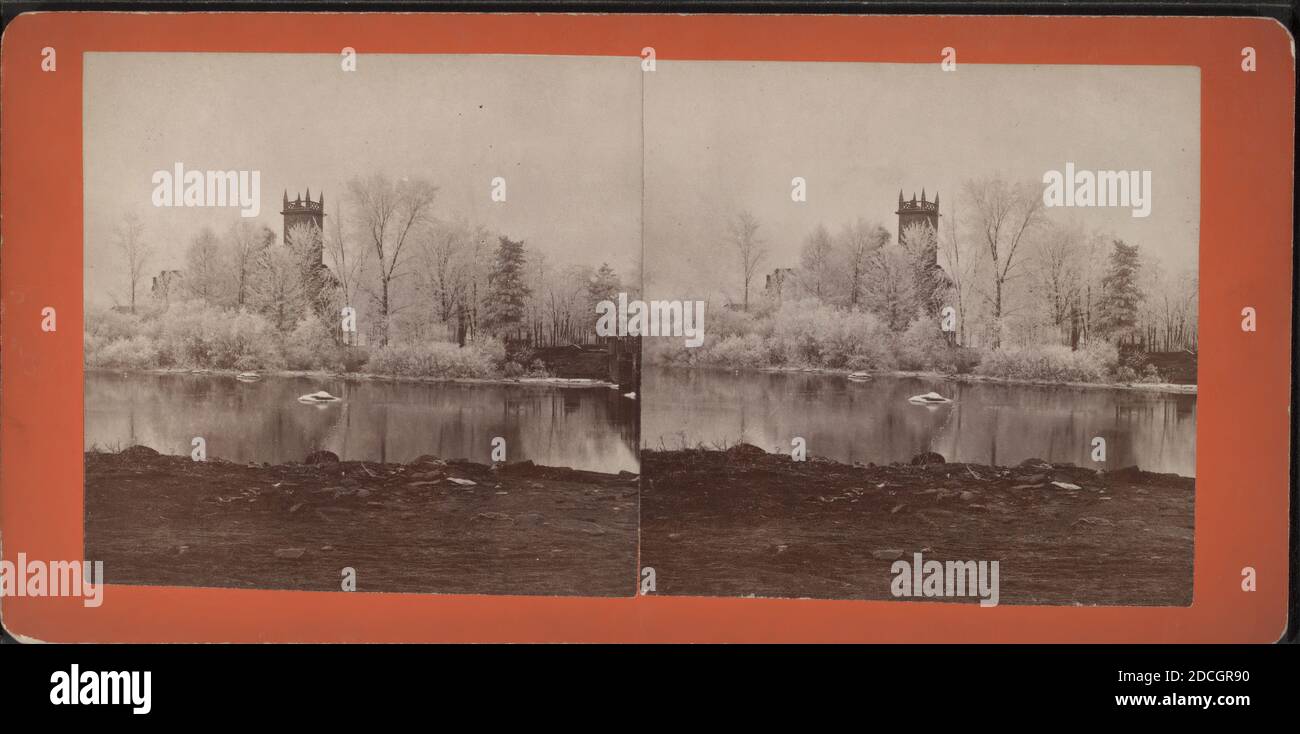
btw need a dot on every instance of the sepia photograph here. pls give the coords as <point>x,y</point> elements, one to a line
<point>950,343</point>
<point>339,324</point>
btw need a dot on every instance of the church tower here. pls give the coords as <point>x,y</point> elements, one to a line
<point>917,212</point>
<point>300,211</point>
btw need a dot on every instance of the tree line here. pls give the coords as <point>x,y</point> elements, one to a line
<point>411,275</point>
<point>1011,275</point>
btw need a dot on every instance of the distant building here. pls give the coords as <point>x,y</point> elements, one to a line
<point>317,279</point>
<point>304,211</point>
<point>917,212</point>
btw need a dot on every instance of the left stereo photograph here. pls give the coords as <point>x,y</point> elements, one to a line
<point>340,332</point>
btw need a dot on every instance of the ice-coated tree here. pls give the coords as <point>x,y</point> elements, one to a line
<point>136,253</point>
<point>1004,214</point>
<point>321,288</point>
<point>508,290</point>
<point>816,274</point>
<point>742,236</point>
<point>244,244</point>
<point>276,287</point>
<point>1121,295</point>
<point>891,291</point>
<point>857,245</point>
<point>206,274</point>
<point>388,215</point>
<point>603,285</point>
<point>932,285</point>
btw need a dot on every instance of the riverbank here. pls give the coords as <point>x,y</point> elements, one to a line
<point>430,526</point>
<point>325,374</point>
<point>743,522</point>
<point>1156,387</point>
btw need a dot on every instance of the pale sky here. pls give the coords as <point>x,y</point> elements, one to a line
<point>725,136</point>
<point>565,132</point>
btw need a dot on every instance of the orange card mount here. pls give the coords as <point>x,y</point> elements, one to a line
<point>527,119</point>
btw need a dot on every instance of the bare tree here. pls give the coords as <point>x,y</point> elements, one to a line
<point>891,288</point>
<point>816,264</point>
<point>538,277</point>
<point>444,264</point>
<point>276,286</point>
<point>129,238</point>
<point>858,243</point>
<point>388,213</point>
<point>1003,215</point>
<point>1091,267</point>
<point>962,264</point>
<point>347,258</point>
<point>1058,276</point>
<point>743,236</point>
<point>245,242</point>
<point>205,273</point>
<point>1168,313</point>
<point>568,305</point>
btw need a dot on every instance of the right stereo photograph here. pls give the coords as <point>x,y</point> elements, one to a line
<point>945,342</point>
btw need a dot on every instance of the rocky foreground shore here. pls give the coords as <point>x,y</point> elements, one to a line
<point>744,522</point>
<point>429,526</point>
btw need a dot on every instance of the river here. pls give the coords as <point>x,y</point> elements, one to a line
<point>385,421</point>
<point>872,421</point>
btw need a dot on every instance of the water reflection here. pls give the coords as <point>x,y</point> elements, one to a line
<point>873,422</point>
<point>584,428</point>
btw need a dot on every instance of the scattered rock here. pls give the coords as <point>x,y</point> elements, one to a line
<point>1131,473</point>
<point>1096,521</point>
<point>930,398</point>
<point>519,466</point>
<point>139,452</point>
<point>742,450</point>
<point>927,458</point>
<point>321,457</point>
<point>588,527</point>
